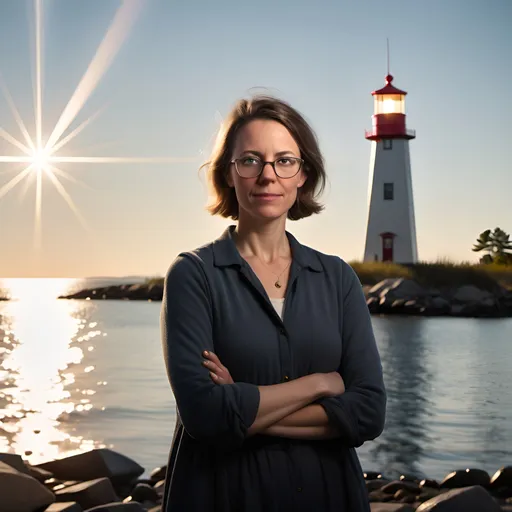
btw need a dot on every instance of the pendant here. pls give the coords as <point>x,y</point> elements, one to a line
<point>277,284</point>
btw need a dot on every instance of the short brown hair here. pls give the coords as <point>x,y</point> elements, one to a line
<point>224,200</point>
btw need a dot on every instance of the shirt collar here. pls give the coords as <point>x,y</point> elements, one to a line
<point>226,254</point>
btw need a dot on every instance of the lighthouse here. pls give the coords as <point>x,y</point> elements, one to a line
<point>391,229</point>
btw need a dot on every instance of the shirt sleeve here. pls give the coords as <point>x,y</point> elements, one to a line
<point>211,413</point>
<point>359,413</point>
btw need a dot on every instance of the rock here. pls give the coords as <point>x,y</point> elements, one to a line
<point>160,487</point>
<point>470,293</point>
<point>433,484</point>
<point>466,478</point>
<point>144,492</point>
<point>95,464</point>
<point>89,494</point>
<point>133,506</point>
<point>393,487</point>
<point>158,474</point>
<point>468,499</point>
<point>379,496</point>
<point>377,483</point>
<point>67,506</point>
<point>502,478</point>
<point>391,507</point>
<point>439,306</point>
<point>409,478</point>
<point>372,475</point>
<point>15,461</point>
<point>22,493</point>
<point>39,474</point>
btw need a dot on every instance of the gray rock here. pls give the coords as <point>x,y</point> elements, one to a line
<point>470,293</point>
<point>64,507</point>
<point>391,507</point>
<point>95,464</point>
<point>392,487</point>
<point>15,461</point>
<point>22,493</point>
<point>502,478</point>
<point>158,474</point>
<point>89,494</point>
<point>144,492</point>
<point>465,478</point>
<point>132,506</point>
<point>467,499</point>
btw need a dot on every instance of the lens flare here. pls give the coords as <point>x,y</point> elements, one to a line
<point>41,157</point>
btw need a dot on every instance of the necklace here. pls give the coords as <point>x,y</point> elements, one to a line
<point>277,283</point>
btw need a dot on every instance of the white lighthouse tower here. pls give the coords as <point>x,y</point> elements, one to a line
<point>391,230</point>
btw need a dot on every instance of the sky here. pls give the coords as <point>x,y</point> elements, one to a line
<point>181,67</point>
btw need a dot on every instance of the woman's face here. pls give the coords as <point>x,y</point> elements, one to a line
<point>267,196</point>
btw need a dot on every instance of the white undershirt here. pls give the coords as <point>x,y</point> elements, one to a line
<point>278,306</point>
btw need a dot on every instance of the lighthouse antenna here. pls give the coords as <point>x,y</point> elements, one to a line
<point>387,44</point>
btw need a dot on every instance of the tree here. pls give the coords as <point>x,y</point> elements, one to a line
<point>497,244</point>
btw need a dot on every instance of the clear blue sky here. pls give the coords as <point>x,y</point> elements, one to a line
<point>184,63</point>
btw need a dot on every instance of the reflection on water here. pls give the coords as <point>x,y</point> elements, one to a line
<point>40,355</point>
<point>407,379</point>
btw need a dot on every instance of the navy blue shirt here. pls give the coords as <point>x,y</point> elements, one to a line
<point>214,301</point>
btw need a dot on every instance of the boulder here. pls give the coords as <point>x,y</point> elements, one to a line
<point>393,487</point>
<point>467,499</point>
<point>466,478</point>
<point>66,506</point>
<point>144,492</point>
<point>502,478</point>
<point>158,474</point>
<point>132,506</point>
<point>399,288</point>
<point>391,507</point>
<point>15,461</point>
<point>22,493</point>
<point>39,474</point>
<point>89,494</point>
<point>470,293</point>
<point>95,464</point>
<point>377,483</point>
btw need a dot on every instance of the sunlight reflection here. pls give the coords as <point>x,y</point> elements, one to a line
<point>38,354</point>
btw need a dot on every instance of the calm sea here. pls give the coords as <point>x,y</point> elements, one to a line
<point>82,374</point>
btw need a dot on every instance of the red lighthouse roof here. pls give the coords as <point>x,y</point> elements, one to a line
<point>388,88</point>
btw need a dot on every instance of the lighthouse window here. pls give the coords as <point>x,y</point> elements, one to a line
<point>387,144</point>
<point>388,192</point>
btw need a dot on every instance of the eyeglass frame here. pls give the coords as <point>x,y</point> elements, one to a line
<point>272,164</point>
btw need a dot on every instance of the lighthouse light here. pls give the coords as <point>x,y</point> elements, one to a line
<point>389,104</point>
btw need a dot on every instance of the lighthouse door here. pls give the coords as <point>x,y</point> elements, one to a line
<point>387,247</point>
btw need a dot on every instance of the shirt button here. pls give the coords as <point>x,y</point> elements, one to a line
<point>299,489</point>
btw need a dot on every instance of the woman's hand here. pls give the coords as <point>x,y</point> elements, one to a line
<point>218,372</point>
<point>333,384</point>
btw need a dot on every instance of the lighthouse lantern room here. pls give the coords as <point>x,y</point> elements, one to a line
<point>391,227</point>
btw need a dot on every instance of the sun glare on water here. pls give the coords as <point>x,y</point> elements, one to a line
<point>42,157</point>
<point>45,379</point>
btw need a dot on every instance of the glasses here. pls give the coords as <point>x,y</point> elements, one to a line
<point>284,167</point>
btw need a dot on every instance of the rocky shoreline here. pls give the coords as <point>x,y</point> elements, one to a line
<point>103,480</point>
<point>397,296</point>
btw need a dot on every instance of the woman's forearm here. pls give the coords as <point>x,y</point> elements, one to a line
<point>280,400</point>
<point>306,433</point>
<point>312,415</point>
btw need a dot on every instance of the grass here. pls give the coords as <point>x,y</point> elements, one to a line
<point>441,274</point>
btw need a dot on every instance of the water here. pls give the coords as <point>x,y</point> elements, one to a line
<point>82,374</point>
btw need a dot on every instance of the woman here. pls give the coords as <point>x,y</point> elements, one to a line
<point>268,343</point>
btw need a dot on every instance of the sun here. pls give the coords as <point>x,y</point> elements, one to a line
<point>42,157</point>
